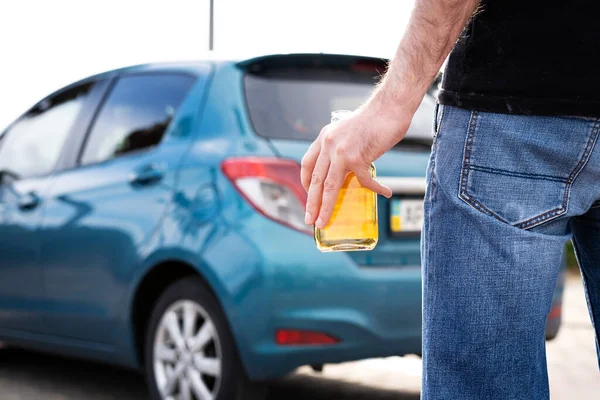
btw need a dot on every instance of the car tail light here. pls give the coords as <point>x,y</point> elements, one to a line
<point>555,312</point>
<point>294,337</point>
<point>272,186</point>
<point>366,66</point>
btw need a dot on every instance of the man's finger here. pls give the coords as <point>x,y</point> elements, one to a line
<point>366,180</point>
<point>315,191</point>
<point>331,188</point>
<point>308,163</point>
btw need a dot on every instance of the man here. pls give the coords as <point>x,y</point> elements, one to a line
<point>513,175</point>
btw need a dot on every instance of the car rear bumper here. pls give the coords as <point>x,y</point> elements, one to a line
<point>373,311</point>
<point>275,362</point>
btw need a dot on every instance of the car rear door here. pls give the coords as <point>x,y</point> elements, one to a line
<point>290,98</point>
<point>101,214</point>
<point>30,152</point>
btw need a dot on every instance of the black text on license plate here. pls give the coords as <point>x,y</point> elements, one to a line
<point>406,215</point>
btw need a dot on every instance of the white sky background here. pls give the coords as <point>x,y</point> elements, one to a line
<point>47,44</point>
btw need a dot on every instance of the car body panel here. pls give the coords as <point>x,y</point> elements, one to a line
<point>398,163</point>
<point>260,287</point>
<point>97,225</point>
<point>22,294</point>
<point>22,299</point>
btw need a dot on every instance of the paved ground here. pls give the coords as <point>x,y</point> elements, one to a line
<point>572,361</point>
<point>571,357</point>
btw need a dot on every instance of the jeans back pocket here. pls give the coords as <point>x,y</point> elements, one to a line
<point>519,169</point>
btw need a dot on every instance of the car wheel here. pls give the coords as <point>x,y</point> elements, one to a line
<point>552,328</point>
<point>190,351</point>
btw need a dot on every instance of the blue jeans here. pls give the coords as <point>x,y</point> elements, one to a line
<point>504,195</point>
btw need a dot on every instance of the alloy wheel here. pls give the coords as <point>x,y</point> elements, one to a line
<point>187,353</point>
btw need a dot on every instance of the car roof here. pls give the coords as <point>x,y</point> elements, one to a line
<point>198,67</point>
<point>186,67</point>
<point>302,57</point>
<point>203,66</point>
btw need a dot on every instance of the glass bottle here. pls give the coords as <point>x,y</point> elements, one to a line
<point>353,225</point>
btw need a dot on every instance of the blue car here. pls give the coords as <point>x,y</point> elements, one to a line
<point>152,217</point>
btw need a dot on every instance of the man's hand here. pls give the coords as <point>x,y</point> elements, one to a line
<point>350,145</point>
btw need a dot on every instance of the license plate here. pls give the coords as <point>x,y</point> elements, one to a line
<point>406,215</point>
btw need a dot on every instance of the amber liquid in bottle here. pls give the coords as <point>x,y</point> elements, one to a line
<point>353,225</point>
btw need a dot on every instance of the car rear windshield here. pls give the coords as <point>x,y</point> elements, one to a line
<point>295,104</point>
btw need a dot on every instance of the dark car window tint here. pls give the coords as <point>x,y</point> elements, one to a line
<point>136,115</point>
<point>32,145</point>
<point>296,105</point>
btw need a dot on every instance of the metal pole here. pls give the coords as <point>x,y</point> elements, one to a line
<point>211,26</point>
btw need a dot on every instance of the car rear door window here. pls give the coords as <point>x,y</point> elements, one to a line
<point>295,103</point>
<point>32,145</point>
<point>135,115</point>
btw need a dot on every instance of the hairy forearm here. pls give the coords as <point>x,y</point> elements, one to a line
<point>434,27</point>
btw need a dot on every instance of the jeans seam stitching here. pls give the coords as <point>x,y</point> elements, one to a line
<point>586,289</point>
<point>586,153</point>
<point>531,222</point>
<point>583,160</point>
<point>439,125</point>
<point>479,206</point>
<point>467,152</point>
<point>538,219</point>
<point>517,174</point>
<point>427,229</point>
<point>465,169</point>
<point>433,154</point>
<point>435,118</point>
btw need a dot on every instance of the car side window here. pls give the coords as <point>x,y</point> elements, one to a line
<point>135,115</point>
<point>32,145</point>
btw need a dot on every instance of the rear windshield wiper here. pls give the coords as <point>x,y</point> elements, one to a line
<point>415,143</point>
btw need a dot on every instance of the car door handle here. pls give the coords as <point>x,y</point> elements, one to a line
<point>28,201</point>
<point>147,175</point>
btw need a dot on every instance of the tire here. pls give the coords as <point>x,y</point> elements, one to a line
<point>552,328</point>
<point>204,355</point>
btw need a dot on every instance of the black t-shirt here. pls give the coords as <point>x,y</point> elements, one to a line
<point>538,57</point>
